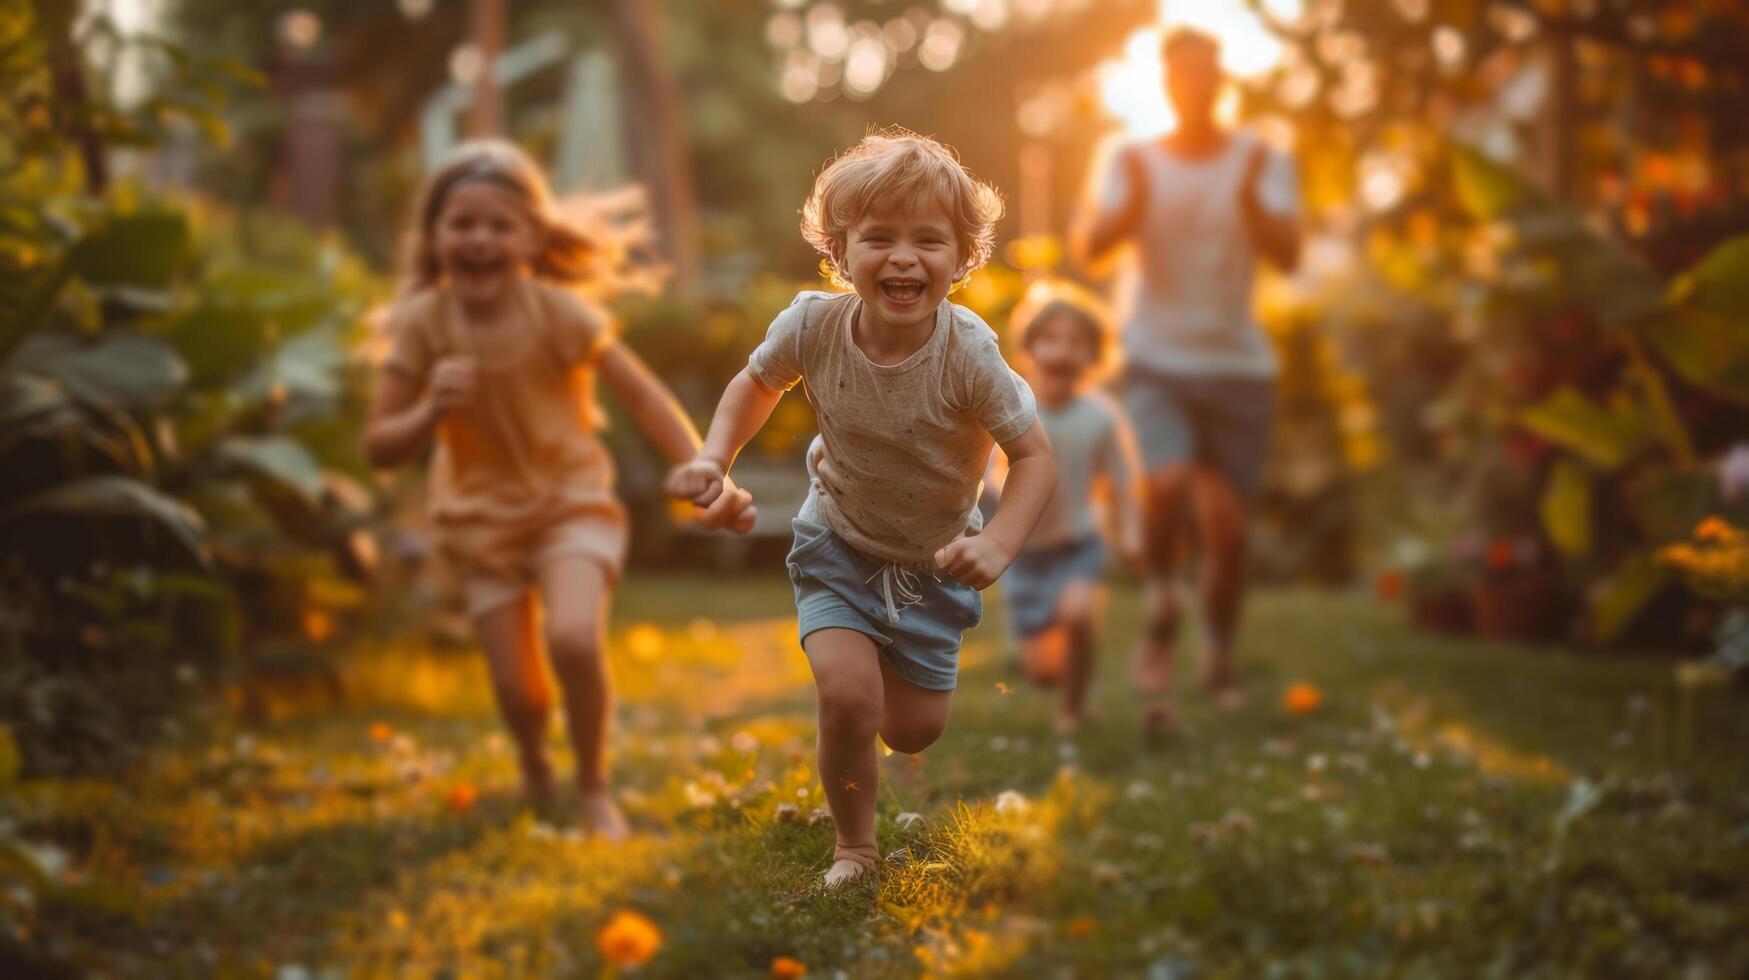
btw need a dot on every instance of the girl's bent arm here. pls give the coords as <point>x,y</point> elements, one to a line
<point>400,425</point>
<point>650,403</point>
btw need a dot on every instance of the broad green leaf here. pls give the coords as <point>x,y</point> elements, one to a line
<point>1668,502</point>
<point>146,248</point>
<point>1615,604</point>
<point>1707,350</point>
<point>131,371</point>
<point>1718,283</point>
<point>1607,436</point>
<point>280,460</point>
<point>1488,189</point>
<point>115,496</point>
<point>1566,509</point>
<point>305,368</point>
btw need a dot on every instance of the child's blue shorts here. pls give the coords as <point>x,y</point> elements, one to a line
<point>916,618</point>
<point>1034,582</point>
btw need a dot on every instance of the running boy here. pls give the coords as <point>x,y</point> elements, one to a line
<point>1055,589</point>
<point>910,392</point>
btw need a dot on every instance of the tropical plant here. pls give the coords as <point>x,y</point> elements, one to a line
<point>172,418</point>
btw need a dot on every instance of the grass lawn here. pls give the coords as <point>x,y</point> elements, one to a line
<point>1453,809</point>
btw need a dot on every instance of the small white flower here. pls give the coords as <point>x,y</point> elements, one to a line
<point>1139,790</point>
<point>821,815</point>
<point>908,821</point>
<point>787,813</point>
<point>1009,801</point>
<point>744,742</point>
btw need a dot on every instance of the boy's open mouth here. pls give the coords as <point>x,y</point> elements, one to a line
<point>902,290</point>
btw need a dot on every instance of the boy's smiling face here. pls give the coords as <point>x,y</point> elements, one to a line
<point>902,261</point>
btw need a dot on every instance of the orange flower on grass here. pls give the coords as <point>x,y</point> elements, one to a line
<point>628,939</point>
<point>1302,699</point>
<point>788,968</point>
<point>380,732</point>
<point>1502,555</point>
<point>1713,529</point>
<point>461,797</point>
<point>1082,926</point>
<point>1389,585</point>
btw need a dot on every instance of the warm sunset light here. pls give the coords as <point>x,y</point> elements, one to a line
<point>1131,86</point>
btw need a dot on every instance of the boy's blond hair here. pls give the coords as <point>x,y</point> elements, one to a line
<point>896,165</point>
<point>1052,297</point>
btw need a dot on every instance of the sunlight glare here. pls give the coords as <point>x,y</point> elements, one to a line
<point>1132,86</point>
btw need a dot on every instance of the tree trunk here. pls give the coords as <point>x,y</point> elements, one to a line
<point>71,96</point>
<point>486,30</point>
<point>655,133</point>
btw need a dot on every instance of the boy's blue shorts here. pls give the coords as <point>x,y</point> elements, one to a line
<point>1034,583</point>
<point>838,586</point>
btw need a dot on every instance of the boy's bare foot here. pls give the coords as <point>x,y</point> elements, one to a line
<point>850,863</point>
<point>1158,720</point>
<point>601,816</point>
<point>1151,668</point>
<point>1228,696</point>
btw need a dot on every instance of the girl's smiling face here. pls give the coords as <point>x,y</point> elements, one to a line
<point>485,240</point>
<point>902,261</point>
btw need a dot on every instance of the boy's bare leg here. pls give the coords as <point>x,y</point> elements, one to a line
<point>849,688</point>
<point>1043,653</point>
<point>577,597</point>
<point>912,717</point>
<point>1079,612</point>
<point>525,699</point>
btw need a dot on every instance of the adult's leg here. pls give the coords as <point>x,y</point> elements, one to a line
<point>1166,530</point>
<point>576,592</point>
<point>1222,523</point>
<point>849,688</point>
<point>525,699</point>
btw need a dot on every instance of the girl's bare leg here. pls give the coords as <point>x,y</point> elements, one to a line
<point>524,697</point>
<point>577,597</point>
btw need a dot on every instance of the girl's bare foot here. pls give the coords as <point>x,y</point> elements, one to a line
<point>537,786</point>
<point>850,862</point>
<point>601,816</point>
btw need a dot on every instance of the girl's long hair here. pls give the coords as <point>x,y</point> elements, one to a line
<point>580,248</point>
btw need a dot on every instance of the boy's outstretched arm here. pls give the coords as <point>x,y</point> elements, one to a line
<point>656,412</point>
<point>979,559</point>
<point>745,406</point>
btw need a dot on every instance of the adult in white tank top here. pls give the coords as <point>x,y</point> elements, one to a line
<point>1200,206</point>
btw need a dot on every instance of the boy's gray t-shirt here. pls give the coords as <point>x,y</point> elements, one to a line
<point>1088,439</point>
<point>904,444</point>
